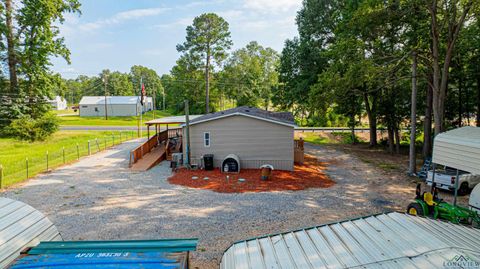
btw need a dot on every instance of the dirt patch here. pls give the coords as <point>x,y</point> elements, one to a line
<point>310,174</point>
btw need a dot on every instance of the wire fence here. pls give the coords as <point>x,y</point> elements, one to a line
<point>29,167</point>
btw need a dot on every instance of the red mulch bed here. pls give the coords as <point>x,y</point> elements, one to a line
<point>310,174</point>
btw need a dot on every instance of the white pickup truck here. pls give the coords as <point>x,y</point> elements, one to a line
<point>445,179</point>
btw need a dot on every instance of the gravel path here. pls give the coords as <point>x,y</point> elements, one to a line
<point>98,198</point>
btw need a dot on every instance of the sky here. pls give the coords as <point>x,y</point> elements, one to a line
<point>117,34</point>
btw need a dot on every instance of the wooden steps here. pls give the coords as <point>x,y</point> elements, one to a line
<point>150,159</point>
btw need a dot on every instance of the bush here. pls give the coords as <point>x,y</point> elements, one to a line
<point>27,128</point>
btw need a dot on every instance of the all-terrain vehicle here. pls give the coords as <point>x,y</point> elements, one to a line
<point>429,205</point>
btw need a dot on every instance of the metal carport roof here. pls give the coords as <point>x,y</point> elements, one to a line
<point>22,226</point>
<point>392,240</point>
<point>459,149</point>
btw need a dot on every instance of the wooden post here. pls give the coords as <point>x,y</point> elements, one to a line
<point>113,139</point>
<point>78,153</point>
<point>63,153</point>
<point>26,165</point>
<point>1,177</point>
<point>105,141</point>
<point>98,146</point>
<point>47,160</point>
<point>88,147</point>
<point>148,131</point>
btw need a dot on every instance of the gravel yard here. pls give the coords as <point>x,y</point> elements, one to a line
<point>98,198</point>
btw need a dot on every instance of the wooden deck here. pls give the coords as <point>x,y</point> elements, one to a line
<point>149,160</point>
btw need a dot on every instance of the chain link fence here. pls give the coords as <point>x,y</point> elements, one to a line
<point>30,167</point>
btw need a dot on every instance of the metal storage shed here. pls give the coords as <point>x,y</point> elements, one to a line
<point>22,226</point>
<point>94,106</point>
<point>392,240</point>
<point>458,148</point>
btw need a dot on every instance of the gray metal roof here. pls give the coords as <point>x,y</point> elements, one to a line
<point>172,120</point>
<point>458,148</point>
<point>392,240</point>
<point>111,100</point>
<point>22,226</point>
<point>285,118</point>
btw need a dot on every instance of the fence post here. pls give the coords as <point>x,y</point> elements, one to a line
<point>120,137</point>
<point>105,141</point>
<point>78,153</point>
<point>113,139</point>
<point>63,153</point>
<point>47,160</point>
<point>1,177</point>
<point>98,146</point>
<point>26,163</point>
<point>88,147</point>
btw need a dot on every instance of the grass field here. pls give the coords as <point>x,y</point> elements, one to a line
<point>75,120</point>
<point>14,153</point>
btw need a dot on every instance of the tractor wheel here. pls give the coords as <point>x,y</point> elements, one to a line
<point>415,209</point>
<point>464,189</point>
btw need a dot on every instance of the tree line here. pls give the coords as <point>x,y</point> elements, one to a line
<point>357,58</point>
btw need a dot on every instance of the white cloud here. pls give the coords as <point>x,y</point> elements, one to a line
<point>122,17</point>
<point>183,22</point>
<point>268,6</point>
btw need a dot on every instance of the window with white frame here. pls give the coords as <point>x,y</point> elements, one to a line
<point>206,139</point>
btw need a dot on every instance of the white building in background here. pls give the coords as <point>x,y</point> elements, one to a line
<point>58,103</point>
<point>94,106</point>
<point>148,106</point>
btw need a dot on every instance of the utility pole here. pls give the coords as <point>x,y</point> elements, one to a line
<point>154,101</point>
<point>105,85</point>
<point>187,130</point>
<point>141,103</point>
<point>163,95</point>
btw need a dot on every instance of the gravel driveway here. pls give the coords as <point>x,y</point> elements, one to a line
<point>98,198</point>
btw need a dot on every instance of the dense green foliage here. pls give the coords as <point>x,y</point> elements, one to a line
<point>30,129</point>
<point>29,39</point>
<point>355,58</point>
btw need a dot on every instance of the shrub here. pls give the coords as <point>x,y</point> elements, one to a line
<point>27,128</point>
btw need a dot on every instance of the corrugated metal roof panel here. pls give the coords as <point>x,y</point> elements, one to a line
<point>21,226</point>
<point>392,240</point>
<point>119,260</point>
<point>160,245</point>
<point>111,100</point>
<point>458,148</point>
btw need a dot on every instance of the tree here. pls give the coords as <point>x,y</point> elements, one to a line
<point>150,79</point>
<point>207,38</point>
<point>32,39</point>
<point>250,74</point>
<point>446,21</point>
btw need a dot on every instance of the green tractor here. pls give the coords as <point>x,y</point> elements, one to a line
<point>428,204</point>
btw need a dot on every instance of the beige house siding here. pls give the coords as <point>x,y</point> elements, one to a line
<point>254,141</point>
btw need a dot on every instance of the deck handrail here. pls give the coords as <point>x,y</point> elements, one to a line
<point>140,151</point>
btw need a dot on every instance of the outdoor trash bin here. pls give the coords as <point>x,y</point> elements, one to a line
<point>266,170</point>
<point>208,162</point>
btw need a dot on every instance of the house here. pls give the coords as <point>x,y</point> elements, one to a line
<point>247,135</point>
<point>94,106</point>
<point>58,103</point>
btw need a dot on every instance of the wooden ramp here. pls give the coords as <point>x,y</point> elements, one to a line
<point>149,160</point>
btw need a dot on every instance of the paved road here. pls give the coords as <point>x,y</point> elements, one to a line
<point>99,198</point>
<point>100,128</point>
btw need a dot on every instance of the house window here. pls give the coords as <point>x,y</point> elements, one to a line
<point>96,109</point>
<point>84,106</point>
<point>206,139</point>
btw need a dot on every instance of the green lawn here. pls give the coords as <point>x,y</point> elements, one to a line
<point>14,153</point>
<point>75,120</point>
